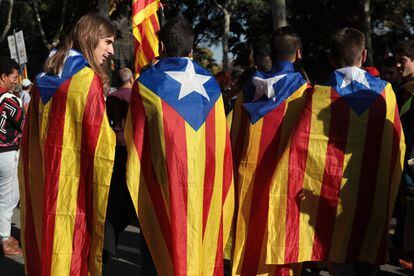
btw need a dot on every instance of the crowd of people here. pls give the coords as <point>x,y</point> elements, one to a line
<point>261,167</point>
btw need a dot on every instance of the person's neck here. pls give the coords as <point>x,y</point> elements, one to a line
<point>3,87</point>
<point>407,78</point>
<point>127,86</point>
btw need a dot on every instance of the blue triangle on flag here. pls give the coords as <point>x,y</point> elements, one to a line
<point>193,108</point>
<point>356,95</point>
<point>49,84</point>
<point>284,88</point>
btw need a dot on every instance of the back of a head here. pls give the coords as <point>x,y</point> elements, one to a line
<point>347,47</point>
<point>285,42</point>
<point>262,58</point>
<point>177,36</point>
<point>7,66</point>
<point>224,80</point>
<point>405,48</point>
<point>125,75</point>
<point>84,38</point>
<point>236,73</point>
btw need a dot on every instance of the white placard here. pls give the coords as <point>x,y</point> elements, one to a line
<point>19,55</point>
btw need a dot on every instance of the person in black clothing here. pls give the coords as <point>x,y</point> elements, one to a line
<point>120,212</point>
<point>403,238</point>
<point>404,54</point>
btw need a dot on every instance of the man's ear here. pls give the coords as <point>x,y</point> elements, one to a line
<point>190,55</point>
<point>162,50</point>
<point>298,54</point>
<point>364,56</point>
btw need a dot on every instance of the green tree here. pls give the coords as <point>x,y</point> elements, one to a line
<point>227,8</point>
<point>7,16</point>
<point>279,13</point>
<point>44,24</point>
<point>204,56</point>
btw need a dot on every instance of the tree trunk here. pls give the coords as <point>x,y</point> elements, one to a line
<point>366,26</point>
<point>104,8</point>
<point>227,16</point>
<point>54,41</point>
<point>8,22</point>
<point>279,13</point>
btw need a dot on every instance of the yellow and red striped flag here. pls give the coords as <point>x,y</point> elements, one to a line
<point>67,156</point>
<point>145,25</point>
<point>264,120</point>
<point>332,195</point>
<point>179,168</point>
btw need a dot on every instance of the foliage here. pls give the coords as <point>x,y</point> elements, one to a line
<point>316,20</point>
<point>251,28</point>
<point>203,15</point>
<point>251,25</point>
<point>204,56</point>
<point>50,12</point>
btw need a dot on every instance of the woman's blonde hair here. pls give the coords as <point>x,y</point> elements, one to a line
<point>84,38</point>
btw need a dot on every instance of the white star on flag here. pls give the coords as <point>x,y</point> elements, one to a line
<point>353,74</point>
<point>70,54</point>
<point>265,86</point>
<point>190,81</point>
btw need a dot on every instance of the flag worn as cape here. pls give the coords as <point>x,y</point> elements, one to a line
<point>67,155</point>
<point>263,123</point>
<point>145,26</point>
<point>179,168</point>
<point>333,193</point>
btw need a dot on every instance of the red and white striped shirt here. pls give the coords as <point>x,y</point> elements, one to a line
<point>11,121</point>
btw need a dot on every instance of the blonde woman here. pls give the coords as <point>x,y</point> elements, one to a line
<point>67,155</point>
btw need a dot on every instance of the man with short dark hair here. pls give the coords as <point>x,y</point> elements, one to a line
<point>286,44</point>
<point>347,48</point>
<point>11,125</point>
<point>179,168</point>
<point>342,171</point>
<point>389,72</point>
<point>404,55</point>
<point>264,117</point>
<point>171,37</point>
<point>405,218</point>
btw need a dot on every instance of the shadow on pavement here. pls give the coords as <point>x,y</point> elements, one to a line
<point>128,260</point>
<point>11,267</point>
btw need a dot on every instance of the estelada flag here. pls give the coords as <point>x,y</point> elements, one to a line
<point>179,168</point>
<point>67,155</point>
<point>264,120</point>
<point>145,26</point>
<point>334,190</point>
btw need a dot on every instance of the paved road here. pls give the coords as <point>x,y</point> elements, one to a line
<point>128,261</point>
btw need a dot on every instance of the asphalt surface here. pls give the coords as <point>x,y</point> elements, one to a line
<point>128,261</point>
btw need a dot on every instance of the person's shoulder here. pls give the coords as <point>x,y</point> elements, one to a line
<point>25,95</point>
<point>121,93</point>
<point>10,98</point>
<point>86,72</point>
<point>407,86</point>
